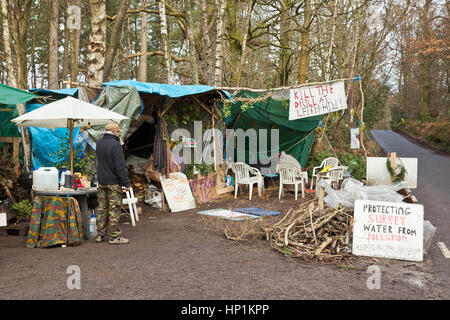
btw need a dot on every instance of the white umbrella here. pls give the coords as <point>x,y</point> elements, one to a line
<point>68,113</point>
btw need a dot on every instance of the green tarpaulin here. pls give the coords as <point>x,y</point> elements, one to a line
<point>9,98</point>
<point>295,136</point>
<point>123,100</point>
<point>13,96</point>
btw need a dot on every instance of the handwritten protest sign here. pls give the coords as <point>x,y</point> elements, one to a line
<point>388,230</point>
<point>314,100</point>
<point>177,192</point>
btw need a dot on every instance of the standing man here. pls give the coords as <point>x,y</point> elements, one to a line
<point>112,176</point>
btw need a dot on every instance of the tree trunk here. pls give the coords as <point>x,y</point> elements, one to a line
<point>165,42</point>
<point>244,42</point>
<point>127,63</point>
<point>65,65</point>
<point>20,11</point>
<point>142,69</point>
<point>304,50</point>
<point>96,48</point>
<point>7,45</point>
<point>206,45</point>
<point>425,64</point>
<point>74,25</point>
<point>330,50</point>
<point>219,44</point>
<point>115,37</point>
<point>191,41</point>
<point>33,49</point>
<point>53,46</point>
<point>284,44</point>
<point>233,37</point>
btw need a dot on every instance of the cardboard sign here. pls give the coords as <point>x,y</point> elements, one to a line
<point>314,100</point>
<point>377,172</point>
<point>177,192</point>
<point>204,188</point>
<point>388,230</point>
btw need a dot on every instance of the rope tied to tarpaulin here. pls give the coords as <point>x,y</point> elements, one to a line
<point>299,141</point>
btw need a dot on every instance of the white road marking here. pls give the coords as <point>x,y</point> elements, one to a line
<point>444,249</point>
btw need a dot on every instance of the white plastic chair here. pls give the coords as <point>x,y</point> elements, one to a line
<point>332,161</point>
<point>336,174</point>
<point>131,201</point>
<point>289,174</point>
<point>242,172</point>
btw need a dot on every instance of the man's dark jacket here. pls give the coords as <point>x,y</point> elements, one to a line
<point>111,168</point>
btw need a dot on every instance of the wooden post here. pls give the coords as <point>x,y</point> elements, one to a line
<point>25,145</point>
<point>321,191</point>
<point>393,158</point>
<point>70,122</point>
<point>214,143</point>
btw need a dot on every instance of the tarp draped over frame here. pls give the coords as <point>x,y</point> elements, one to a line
<point>295,137</point>
<point>123,100</point>
<point>9,98</point>
<point>13,96</point>
<point>170,90</point>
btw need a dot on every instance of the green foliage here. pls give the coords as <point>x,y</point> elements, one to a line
<point>203,168</point>
<point>356,164</point>
<point>246,106</point>
<point>82,162</point>
<point>285,103</point>
<point>374,105</point>
<point>286,251</point>
<point>226,109</point>
<point>435,133</point>
<point>171,118</point>
<point>347,267</point>
<point>185,115</point>
<point>398,174</point>
<point>189,170</point>
<point>24,209</point>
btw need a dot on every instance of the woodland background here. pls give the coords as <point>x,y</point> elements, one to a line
<point>399,48</point>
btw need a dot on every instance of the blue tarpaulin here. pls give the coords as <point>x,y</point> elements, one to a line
<point>47,142</point>
<point>170,90</point>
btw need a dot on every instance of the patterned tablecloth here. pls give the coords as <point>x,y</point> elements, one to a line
<point>55,220</point>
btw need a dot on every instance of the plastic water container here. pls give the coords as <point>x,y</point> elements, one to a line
<point>45,179</point>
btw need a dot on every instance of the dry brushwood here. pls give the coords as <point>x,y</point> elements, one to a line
<point>312,233</point>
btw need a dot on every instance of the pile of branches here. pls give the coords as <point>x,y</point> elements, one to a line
<point>312,233</point>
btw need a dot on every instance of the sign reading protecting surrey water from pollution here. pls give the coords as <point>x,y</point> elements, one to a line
<point>388,230</point>
<point>317,99</point>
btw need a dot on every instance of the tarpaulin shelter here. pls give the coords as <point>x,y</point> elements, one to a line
<point>148,106</point>
<point>157,101</point>
<point>9,99</point>
<point>295,136</point>
<point>46,142</point>
<point>68,113</point>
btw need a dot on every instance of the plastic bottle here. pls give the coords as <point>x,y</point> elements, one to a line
<point>93,226</point>
<point>62,176</point>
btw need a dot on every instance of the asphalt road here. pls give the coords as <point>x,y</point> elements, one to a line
<point>433,186</point>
